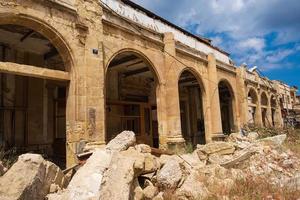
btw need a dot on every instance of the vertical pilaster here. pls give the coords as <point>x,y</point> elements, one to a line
<point>86,89</point>
<point>172,93</point>
<point>258,112</point>
<point>214,100</point>
<point>242,96</point>
<point>269,113</point>
<point>278,116</point>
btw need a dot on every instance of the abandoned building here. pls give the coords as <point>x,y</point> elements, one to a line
<point>75,72</point>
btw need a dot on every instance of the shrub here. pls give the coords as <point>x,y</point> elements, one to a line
<point>8,157</point>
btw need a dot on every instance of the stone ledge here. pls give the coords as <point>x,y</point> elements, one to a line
<point>65,5</point>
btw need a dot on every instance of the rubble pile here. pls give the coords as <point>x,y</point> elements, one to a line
<point>125,170</point>
<point>31,177</point>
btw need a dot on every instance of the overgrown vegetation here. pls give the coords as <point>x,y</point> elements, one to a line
<point>293,142</point>
<point>293,136</point>
<point>260,188</point>
<point>8,157</point>
<point>189,148</point>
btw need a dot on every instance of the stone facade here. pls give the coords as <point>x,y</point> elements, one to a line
<point>89,37</point>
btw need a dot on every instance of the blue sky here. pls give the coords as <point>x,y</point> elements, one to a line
<point>263,33</point>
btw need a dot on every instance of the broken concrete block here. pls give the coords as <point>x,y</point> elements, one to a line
<point>118,179</point>
<point>86,182</point>
<point>164,158</point>
<point>143,148</point>
<point>169,175</point>
<point>252,136</point>
<point>201,155</point>
<point>30,178</point>
<point>151,163</point>
<point>275,141</point>
<point>241,156</point>
<point>122,141</point>
<point>138,193</point>
<point>150,192</point>
<point>192,188</point>
<point>221,148</point>
<point>192,160</point>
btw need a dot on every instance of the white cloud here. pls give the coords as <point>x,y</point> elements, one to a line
<point>257,44</point>
<point>279,55</point>
<point>240,27</point>
<point>238,18</point>
<point>217,41</point>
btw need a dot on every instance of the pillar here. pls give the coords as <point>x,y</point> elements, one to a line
<point>86,91</point>
<point>242,96</point>
<point>278,116</point>
<point>258,115</point>
<point>174,135</point>
<point>269,112</point>
<point>213,100</point>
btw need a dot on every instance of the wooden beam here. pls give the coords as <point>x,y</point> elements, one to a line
<point>27,35</point>
<point>124,60</point>
<point>187,80</point>
<point>32,71</point>
<point>137,71</point>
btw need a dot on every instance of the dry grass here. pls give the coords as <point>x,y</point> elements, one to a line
<point>169,195</point>
<point>293,136</point>
<point>293,141</point>
<point>260,188</point>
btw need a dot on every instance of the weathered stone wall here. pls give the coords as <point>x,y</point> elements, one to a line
<point>87,43</point>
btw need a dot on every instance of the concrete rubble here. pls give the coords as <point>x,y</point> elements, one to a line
<point>86,183</point>
<point>126,170</point>
<point>30,178</point>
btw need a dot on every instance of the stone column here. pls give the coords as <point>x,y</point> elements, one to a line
<point>214,101</point>
<point>278,116</point>
<point>86,123</point>
<point>172,95</point>
<point>242,96</point>
<point>269,113</point>
<point>258,114</point>
<point>76,109</point>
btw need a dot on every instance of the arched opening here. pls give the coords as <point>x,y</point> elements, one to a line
<point>252,106</point>
<point>131,98</point>
<point>33,93</point>
<point>264,109</point>
<point>191,109</point>
<point>273,109</point>
<point>226,105</point>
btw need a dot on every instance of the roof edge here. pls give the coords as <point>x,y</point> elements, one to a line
<point>155,16</point>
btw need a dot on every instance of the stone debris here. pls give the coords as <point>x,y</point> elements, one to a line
<point>220,148</point>
<point>124,170</point>
<point>86,183</point>
<point>192,188</point>
<point>275,141</point>
<point>169,175</point>
<point>30,178</point>
<point>117,181</point>
<point>122,142</point>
